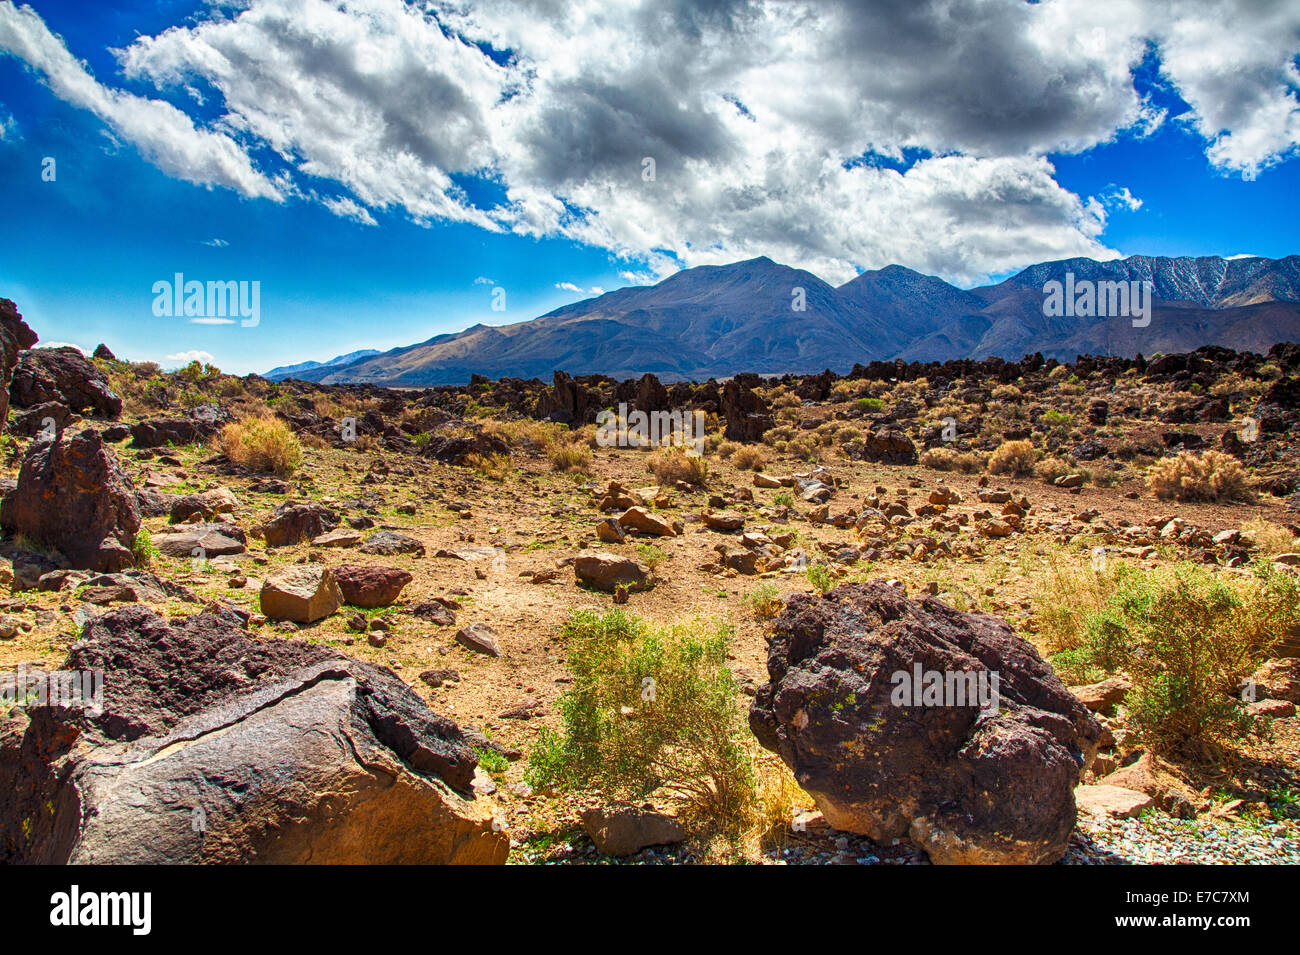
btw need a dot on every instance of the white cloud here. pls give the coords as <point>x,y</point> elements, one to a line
<point>595,290</point>
<point>833,136</point>
<point>61,345</point>
<point>166,136</point>
<point>1116,197</point>
<point>345,208</point>
<point>568,287</point>
<point>185,357</point>
<point>484,280</point>
<point>216,243</point>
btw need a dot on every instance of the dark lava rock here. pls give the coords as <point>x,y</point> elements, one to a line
<point>73,495</point>
<point>208,746</point>
<point>968,783</point>
<point>66,376</point>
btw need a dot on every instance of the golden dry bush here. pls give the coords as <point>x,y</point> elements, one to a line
<point>749,458</point>
<point>1211,476</point>
<point>1049,469</point>
<point>1270,539</point>
<point>261,444</point>
<point>950,459</point>
<point>670,465</point>
<point>571,457</point>
<point>1016,458</point>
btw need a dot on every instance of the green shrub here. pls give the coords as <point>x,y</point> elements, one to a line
<point>820,577</point>
<point>650,707</point>
<point>1187,638</point>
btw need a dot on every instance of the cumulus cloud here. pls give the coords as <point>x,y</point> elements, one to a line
<point>568,287</point>
<point>216,243</point>
<point>166,136</point>
<point>185,357</point>
<point>834,136</point>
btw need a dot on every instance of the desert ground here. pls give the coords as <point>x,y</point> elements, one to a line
<point>1023,491</point>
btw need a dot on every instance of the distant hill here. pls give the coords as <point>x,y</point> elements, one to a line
<point>715,321</point>
<point>297,371</point>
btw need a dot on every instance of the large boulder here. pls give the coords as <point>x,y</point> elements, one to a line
<point>196,427</point>
<point>293,522</point>
<point>747,415</point>
<point>456,441</point>
<point>303,593</point>
<point>202,541</point>
<point>73,495</point>
<point>886,446</point>
<point>567,401</point>
<point>367,585</point>
<point>210,747</point>
<point>972,777</point>
<point>15,337</point>
<point>66,376</point>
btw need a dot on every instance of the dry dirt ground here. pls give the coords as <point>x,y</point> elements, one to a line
<point>534,517</point>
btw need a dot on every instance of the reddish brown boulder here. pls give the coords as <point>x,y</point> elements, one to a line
<point>210,747</point>
<point>66,376</point>
<point>73,496</point>
<point>15,337</point>
<point>365,585</point>
<point>972,777</point>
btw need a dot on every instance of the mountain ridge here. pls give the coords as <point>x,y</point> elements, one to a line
<point>745,316</point>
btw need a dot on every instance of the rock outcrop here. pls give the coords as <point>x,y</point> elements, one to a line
<point>210,747</point>
<point>73,495</point>
<point>15,337</point>
<point>983,780</point>
<point>66,376</point>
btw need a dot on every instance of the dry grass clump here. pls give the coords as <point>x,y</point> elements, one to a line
<point>494,467</point>
<point>1270,539</point>
<point>670,465</point>
<point>749,458</point>
<point>1016,458</point>
<point>950,459</point>
<point>526,434</point>
<point>1049,469</point>
<point>261,444</point>
<point>571,457</point>
<point>1212,476</point>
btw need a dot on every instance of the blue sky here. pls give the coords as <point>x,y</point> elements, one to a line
<point>380,175</point>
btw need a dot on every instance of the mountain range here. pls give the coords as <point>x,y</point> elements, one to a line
<point>715,321</point>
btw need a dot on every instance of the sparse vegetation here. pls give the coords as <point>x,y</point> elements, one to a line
<point>1211,476</point>
<point>1014,458</point>
<point>670,465</point>
<point>651,709</point>
<point>261,444</point>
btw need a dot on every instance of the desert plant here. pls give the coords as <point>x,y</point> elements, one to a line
<point>1211,476</point>
<point>1016,458</point>
<point>749,458</point>
<point>261,444</point>
<point>1187,636</point>
<point>571,457</point>
<point>1049,470</point>
<point>670,465</point>
<point>494,467</point>
<point>819,576</point>
<point>950,459</point>
<point>650,707</point>
<point>764,601</point>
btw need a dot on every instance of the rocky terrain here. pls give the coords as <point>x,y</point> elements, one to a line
<point>346,623</point>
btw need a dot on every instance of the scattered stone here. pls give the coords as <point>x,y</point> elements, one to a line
<point>480,638</point>
<point>303,593</point>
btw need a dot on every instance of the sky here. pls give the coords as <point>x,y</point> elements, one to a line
<point>387,171</point>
